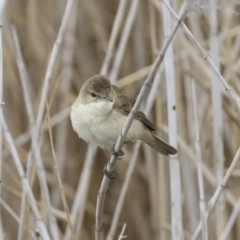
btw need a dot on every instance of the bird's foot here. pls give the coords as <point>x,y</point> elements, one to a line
<point>111,175</point>
<point>117,154</point>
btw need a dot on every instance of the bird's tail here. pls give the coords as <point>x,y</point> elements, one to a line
<point>162,147</point>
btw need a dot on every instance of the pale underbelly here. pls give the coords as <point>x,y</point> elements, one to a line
<point>103,131</point>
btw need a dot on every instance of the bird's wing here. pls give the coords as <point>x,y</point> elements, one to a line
<point>123,104</point>
<point>142,117</point>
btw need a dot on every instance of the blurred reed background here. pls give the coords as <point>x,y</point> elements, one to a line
<point>82,50</point>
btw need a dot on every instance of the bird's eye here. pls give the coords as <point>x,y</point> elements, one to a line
<point>93,94</point>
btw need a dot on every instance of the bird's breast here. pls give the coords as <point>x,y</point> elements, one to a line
<point>100,124</point>
<point>87,118</point>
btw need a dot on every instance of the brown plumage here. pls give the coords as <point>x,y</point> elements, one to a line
<point>100,112</point>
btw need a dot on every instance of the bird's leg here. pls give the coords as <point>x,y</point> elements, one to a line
<point>117,155</point>
<point>111,175</point>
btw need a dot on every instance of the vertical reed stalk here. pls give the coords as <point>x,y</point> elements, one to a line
<point>120,140</point>
<point>78,208</point>
<point>217,116</point>
<point>35,145</point>
<point>174,166</point>
<point>202,205</point>
<point>113,38</point>
<point>2,5</point>
<point>124,38</point>
<point>25,183</point>
<point>231,221</point>
<point>131,167</point>
<point>214,199</point>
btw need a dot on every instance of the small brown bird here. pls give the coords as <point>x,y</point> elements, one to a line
<point>100,111</point>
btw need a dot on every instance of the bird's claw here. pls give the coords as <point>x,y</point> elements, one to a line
<point>111,175</point>
<point>117,154</point>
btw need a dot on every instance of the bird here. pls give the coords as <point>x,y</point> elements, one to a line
<point>100,112</point>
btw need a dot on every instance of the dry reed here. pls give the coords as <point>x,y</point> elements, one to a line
<point>59,47</point>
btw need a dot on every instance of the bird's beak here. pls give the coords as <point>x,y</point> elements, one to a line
<point>105,98</point>
<point>109,98</point>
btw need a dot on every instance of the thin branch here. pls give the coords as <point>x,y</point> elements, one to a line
<point>25,183</point>
<point>64,201</point>
<point>209,61</point>
<point>78,207</point>
<point>174,165</point>
<point>133,77</point>
<point>2,5</point>
<point>62,130</point>
<point>114,33</point>
<point>35,146</point>
<point>56,119</point>
<point>122,232</point>
<point>218,192</point>
<point>188,174</point>
<point>124,38</point>
<point>231,221</point>
<point>120,140</point>
<point>206,171</point>
<point>133,161</point>
<point>51,64</point>
<point>202,205</point>
<point>14,215</point>
<point>217,117</point>
<point>79,203</point>
<point>9,210</point>
<point>22,216</point>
